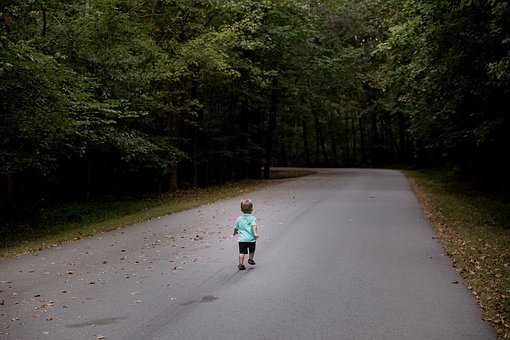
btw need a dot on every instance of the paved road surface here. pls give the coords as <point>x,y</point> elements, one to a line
<point>344,254</point>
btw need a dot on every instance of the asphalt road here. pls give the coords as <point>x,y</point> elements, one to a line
<point>343,254</point>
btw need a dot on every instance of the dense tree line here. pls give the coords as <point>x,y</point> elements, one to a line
<point>106,97</point>
<point>447,70</point>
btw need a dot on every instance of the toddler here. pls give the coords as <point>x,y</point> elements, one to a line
<point>246,227</point>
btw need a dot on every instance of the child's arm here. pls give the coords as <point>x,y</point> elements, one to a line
<point>255,230</point>
<point>236,231</point>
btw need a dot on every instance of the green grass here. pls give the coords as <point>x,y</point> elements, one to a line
<point>282,174</point>
<point>474,227</point>
<point>72,221</point>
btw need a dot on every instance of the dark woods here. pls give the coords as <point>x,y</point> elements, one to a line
<point>105,98</point>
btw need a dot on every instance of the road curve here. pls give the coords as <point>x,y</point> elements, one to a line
<point>344,254</point>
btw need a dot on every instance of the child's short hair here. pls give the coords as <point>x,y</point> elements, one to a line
<point>246,206</point>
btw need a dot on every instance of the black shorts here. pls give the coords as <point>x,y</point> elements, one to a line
<point>245,246</point>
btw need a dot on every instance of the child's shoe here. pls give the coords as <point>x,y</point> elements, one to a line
<point>241,267</point>
<point>250,261</point>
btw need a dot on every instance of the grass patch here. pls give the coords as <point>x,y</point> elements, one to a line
<point>282,174</point>
<point>73,221</point>
<point>474,227</point>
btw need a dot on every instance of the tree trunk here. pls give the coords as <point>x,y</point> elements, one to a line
<point>362,140</point>
<point>354,144</point>
<point>90,178</point>
<point>317,148</point>
<point>172,178</point>
<point>320,140</point>
<point>270,129</point>
<point>333,139</point>
<point>346,156</point>
<point>45,23</point>
<point>402,133</point>
<point>375,140</point>
<point>334,149</point>
<point>11,191</point>
<point>283,154</point>
<point>305,142</point>
<point>239,106</point>
<point>196,134</point>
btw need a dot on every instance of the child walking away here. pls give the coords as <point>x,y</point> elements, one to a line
<point>246,227</point>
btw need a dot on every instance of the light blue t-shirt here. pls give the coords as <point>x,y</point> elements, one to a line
<point>244,225</point>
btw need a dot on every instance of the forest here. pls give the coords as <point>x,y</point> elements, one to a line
<point>113,97</point>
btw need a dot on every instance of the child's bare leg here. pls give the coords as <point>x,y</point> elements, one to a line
<point>251,249</point>
<point>241,258</point>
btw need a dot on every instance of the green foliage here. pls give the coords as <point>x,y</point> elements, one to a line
<point>33,99</point>
<point>217,88</point>
<point>448,67</point>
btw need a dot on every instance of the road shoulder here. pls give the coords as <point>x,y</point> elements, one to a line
<point>471,228</point>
